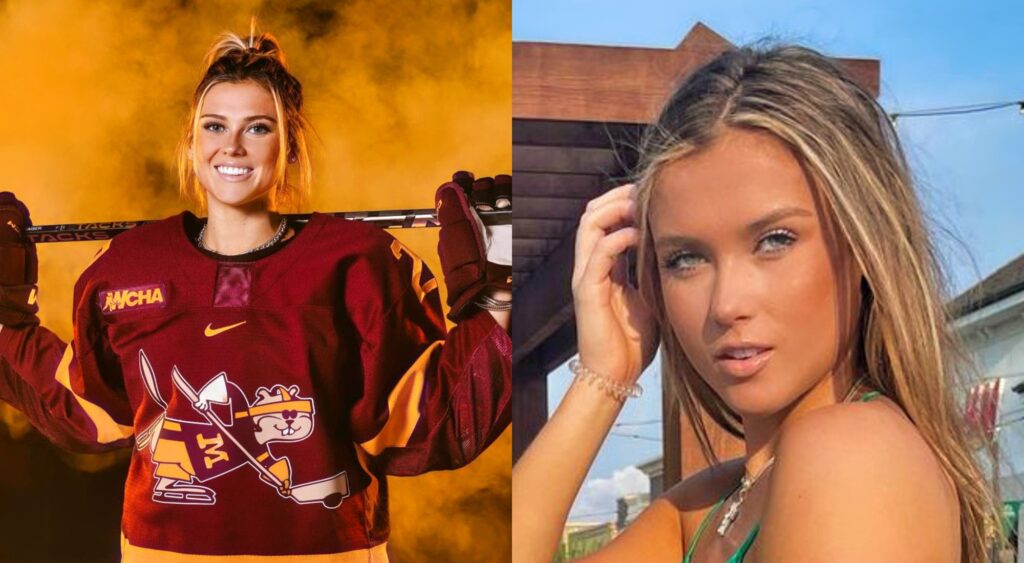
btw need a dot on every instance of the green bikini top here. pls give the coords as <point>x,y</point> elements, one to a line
<point>742,551</point>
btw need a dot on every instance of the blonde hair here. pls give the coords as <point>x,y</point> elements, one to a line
<point>847,145</point>
<point>258,59</point>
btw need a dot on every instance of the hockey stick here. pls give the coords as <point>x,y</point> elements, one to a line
<point>330,492</point>
<point>389,219</point>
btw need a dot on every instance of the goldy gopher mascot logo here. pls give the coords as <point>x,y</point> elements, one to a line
<point>189,452</point>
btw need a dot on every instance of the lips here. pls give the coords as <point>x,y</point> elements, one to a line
<point>233,173</point>
<point>743,361</point>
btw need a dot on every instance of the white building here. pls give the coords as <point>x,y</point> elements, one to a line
<point>990,319</point>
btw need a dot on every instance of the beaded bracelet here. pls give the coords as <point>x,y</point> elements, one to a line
<point>615,389</point>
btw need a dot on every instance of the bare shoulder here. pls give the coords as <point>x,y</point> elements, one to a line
<point>856,434</point>
<point>851,472</point>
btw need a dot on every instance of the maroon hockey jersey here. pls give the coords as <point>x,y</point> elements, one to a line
<point>266,400</point>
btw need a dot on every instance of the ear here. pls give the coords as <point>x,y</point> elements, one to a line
<point>293,391</point>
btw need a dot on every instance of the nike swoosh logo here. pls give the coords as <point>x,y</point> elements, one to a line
<point>210,331</point>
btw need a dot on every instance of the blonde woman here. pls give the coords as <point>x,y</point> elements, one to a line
<point>270,375</point>
<point>785,263</point>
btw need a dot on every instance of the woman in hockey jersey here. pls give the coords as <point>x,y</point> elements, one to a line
<point>784,260</point>
<point>270,374</point>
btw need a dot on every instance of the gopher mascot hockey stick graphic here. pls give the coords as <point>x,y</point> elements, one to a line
<point>328,492</point>
<point>176,486</point>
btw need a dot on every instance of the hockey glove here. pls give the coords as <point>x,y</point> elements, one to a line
<point>475,258</point>
<point>19,267</point>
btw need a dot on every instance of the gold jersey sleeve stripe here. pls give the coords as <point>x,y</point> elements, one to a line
<point>107,430</point>
<point>403,405</point>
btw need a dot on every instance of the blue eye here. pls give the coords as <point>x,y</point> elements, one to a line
<point>259,128</point>
<point>213,127</point>
<point>681,261</point>
<point>776,241</point>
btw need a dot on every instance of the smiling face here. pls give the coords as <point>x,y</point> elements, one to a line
<point>759,292</point>
<point>237,144</point>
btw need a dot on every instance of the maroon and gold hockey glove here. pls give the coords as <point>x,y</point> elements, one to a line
<point>19,267</point>
<point>474,258</point>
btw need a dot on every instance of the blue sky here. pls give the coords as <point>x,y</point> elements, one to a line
<point>933,54</point>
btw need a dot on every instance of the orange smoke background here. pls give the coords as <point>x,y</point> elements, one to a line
<point>400,94</point>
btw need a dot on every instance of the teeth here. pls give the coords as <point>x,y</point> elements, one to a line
<point>743,354</point>
<point>232,171</point>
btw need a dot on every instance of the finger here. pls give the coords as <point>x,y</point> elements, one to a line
<point>464,180</point>
<point>595,225</point>
<point>483,194</point>
<point>595,208</point>
<point>614,194</point>
<point>602,260</point>
<point>503,191</point>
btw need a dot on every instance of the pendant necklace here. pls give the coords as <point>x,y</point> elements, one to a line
<point>746,481</point>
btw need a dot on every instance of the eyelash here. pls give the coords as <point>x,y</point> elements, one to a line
<point>672,261</point>
<point>210,127</point>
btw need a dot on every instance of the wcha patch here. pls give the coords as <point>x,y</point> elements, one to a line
<point>133,298</point>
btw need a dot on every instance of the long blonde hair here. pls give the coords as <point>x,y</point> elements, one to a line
<point>848,146</point>
<point>259,59</point>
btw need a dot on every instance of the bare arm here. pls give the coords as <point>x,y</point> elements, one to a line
<point>615,340</point>
<point>549,474</point>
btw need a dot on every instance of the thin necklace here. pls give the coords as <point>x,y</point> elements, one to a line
<point>273,240</point>
<point>746,481</point>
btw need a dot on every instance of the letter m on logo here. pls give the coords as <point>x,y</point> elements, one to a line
<point>211,449</point>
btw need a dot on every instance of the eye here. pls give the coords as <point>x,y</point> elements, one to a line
<point>259,128</point>
<point>213,127</point>
<point>680,261</point>
<point>776,241</point>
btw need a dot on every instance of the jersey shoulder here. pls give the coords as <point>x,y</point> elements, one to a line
<point>151,243</point>
<point>336,235</point>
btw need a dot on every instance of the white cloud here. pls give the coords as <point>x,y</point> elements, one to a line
<point>596,500</point>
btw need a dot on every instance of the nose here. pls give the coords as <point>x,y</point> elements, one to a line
<point>732,294</point>
<point>234,146</point>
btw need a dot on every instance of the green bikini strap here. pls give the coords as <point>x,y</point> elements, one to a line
<point>868,396</point>
<point>704,524</point>
<point>700,529</point>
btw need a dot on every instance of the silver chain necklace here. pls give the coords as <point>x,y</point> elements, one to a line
<point>273,240</point>
<point>746,482</point>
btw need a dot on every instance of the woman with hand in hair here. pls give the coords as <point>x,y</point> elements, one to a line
<point>270,374</point>
<point>784,260</point>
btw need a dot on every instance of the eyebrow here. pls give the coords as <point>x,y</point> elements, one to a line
<point>752,228</point>
<point>250,118</point>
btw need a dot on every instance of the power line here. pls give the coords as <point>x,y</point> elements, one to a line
<point>635,436</point>
<point>957,110</point>
<point>637,423</point>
